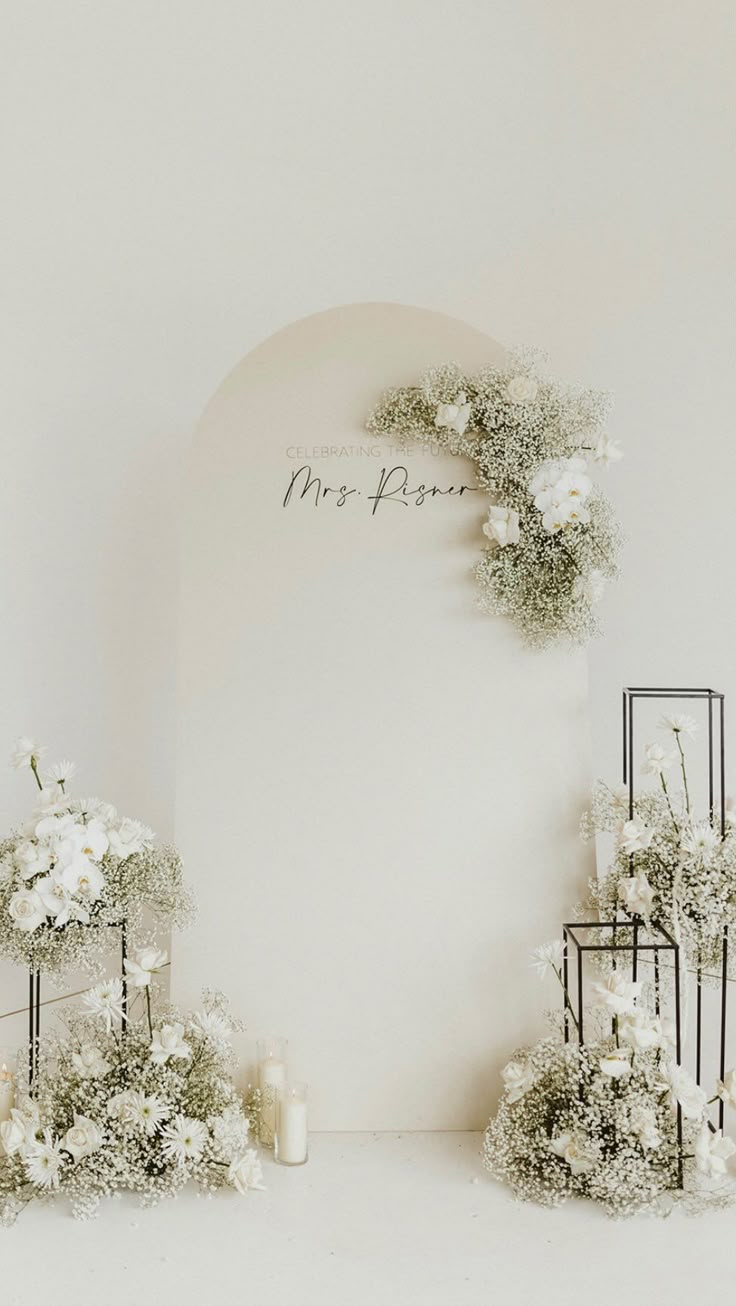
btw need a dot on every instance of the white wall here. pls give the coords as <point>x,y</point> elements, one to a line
<point>360,749</point>
<point>181,179</point>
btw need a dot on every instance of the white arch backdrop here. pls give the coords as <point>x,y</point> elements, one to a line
<point>378,787</point>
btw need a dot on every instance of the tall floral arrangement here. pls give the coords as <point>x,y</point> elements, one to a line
<point>144,1104</point>
<point>670,864</point>
<point>76,871</point>
<point>551,537</point>
<point>599,1119</point>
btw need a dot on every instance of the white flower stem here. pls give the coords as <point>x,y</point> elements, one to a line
<point>36,776</point>
<point>568,1004</point>
<point>684,771</point>
<point>666,793</point>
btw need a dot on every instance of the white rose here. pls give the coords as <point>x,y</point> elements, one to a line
<point>577,1151</point>
<point>617,993</point>
<point>502,526</point>
<point>89,1062</point>
<point>726,1088</point>
<point>129,838</point>
<point>656,760</point>
<point>616,1063</point>
<point>634,836</point>
<point>636,894</point>
<point>121,1107</point>
<point>517,1080</point>
<point>641,1031</point>
<point>684,1091</point>
<point>245,1172</point>
<point>13,1133</point>
<point>26,909</point>
<point>168,1041</point>
<point>712,1152</point>
<point>147,964</point>
<point>522,389</point>
<point>83,1138</point>
<point>454,416</point>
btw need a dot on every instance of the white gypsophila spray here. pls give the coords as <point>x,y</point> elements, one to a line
<point>107,1115</point>
<point>668,865</point>
<point>598,1120</point>
<point>76,872</point>
<point>552,537</point>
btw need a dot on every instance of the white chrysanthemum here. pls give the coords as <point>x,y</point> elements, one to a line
<point>43,1160</point>
<point>678,723</point>
<point>105,1000</point>
<point>148,1112</point>
<point>61,773</point>
<point>184,1139</point>
<point>214,1026</point>
<point>700,840</point>
<point>548,955</point>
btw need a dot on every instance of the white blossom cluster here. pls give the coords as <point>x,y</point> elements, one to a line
<point>145,1105</point>
<point>598,1120</point>
<point>75,871</point>
<point>552,537</point>
<point>668,866</point>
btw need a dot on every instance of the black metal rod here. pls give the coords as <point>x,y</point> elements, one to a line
<point>698,1021</point>
<point>124,973</point>
<point>710,757</point>
<point>723,770</point>
<point>566,985</point>
<point>580,996</point>
<point>31,1039</point>
<point>724,999</point>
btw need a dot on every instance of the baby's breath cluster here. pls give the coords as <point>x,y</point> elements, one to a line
<point>144,1105</point>
<point>552,537</point>
<point>668,865</point>
<point>566,1128</point>
<point>76,872</point>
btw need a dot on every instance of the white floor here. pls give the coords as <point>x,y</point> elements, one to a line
<point>372,1220</point>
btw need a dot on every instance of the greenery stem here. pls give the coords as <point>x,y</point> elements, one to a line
<point>684,771</point>
<point>36,776</point>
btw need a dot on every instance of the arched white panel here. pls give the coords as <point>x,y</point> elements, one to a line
<point>378,786</point>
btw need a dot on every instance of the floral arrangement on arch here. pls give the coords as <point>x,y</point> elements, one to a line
<point>669,865</point>
<point>76,872</point>
<point>142,1104</point>
<point>552,537</point>
<point>599,1119</point>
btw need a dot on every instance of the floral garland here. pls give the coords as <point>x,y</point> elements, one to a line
<point>668,866</point>
<point>553,539</point>
<point>77,872</point>
<point>145,1105</point>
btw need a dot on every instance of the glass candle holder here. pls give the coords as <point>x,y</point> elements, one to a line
<point>271,1054</point>
<point>291,1146</point>
<point>7,1082</point>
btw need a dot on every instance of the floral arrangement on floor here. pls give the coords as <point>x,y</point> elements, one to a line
<point>552,537</point>
<point>599,1119</point>
<point>76,872</point>
<point>668,865</point>
<point>143,1105</point>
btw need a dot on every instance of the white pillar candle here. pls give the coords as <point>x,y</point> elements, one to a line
<point>7,1093</point>
<point>271,1079</point>
<point>291,1125</point>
